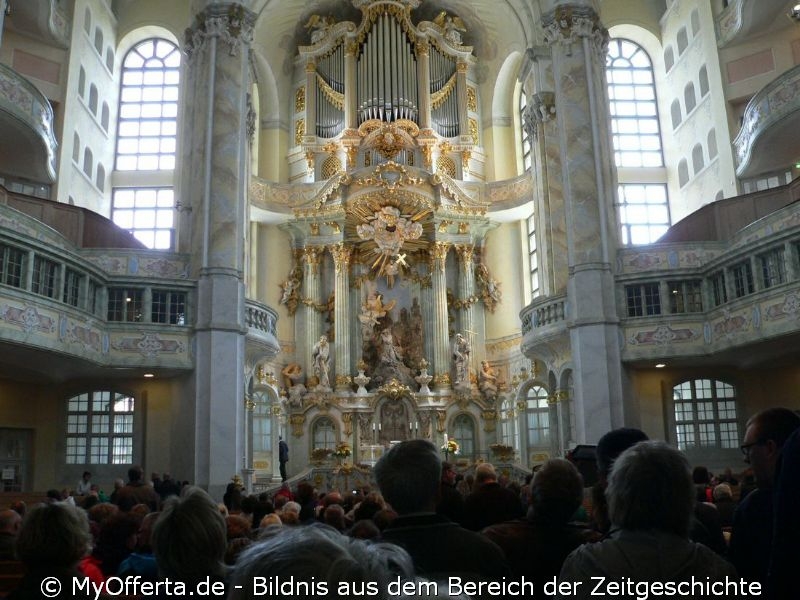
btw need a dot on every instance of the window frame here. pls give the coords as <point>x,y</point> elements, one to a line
<point>93,420</point>
<point>700,415</point>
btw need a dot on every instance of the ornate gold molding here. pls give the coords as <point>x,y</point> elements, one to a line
<point>299,131</point>
<point>438,252</point>
<point>342,256</point>
<point>461,67</point>
<point>422,48</point>
<point>334,97</point>
<point>300,99</point>
<point>438,97</point>
<point>489,420</point>
<point>472,99</point>
<point>297,422</point>
<point>465,253</point>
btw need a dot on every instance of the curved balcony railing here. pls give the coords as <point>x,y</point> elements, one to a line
<point>262,330</point>
<point>26,119</point>
<point>543,312</point>
<point>769,107</point>
<point>746,17</point>
<point>41,19</point>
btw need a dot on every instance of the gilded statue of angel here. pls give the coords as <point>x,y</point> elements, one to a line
<point>452,25</point>
<point>319,26</point>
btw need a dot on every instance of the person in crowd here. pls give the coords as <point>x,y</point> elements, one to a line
<point>19,507</point>
<point>751,536</point>
<point>115,542</point>
<point>334,517</point>
<point>609,447</point>
<point>451,502</point>
<point>52,540</point>
<point>189,539</point>
<point>408,476</point>
<point>726,505</point>
<point>489,502</point>
<point>782,574</point>
<point>136,491</point>
<point>84,486</point>
<point>321,559</point>
<point>169,487</point>
<point>10,522</point>
<point>537,545</point>
<point>141,561</point>
<point>651,499</point>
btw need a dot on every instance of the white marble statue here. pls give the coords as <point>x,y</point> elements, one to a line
<point>321,355</point>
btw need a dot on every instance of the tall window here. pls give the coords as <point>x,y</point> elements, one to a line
<point>538,418</point>
<point>509,424</point>
<point>324,434</point>
<point>526,139</point>
<point>262,423</point>
<point>705,414</point>
<point>100,429</point>
<point>532,257</point>
<point>643,207</point>
<point>464,434</point>
<point>146,140</point>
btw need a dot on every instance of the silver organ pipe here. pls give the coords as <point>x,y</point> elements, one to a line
<point>330,112</point>
<point>444,109</point>
<point>386,73</point>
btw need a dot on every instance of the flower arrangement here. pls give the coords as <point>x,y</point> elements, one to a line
<point>450,446</point>
<point>342,450</point>
<point>319,454</point>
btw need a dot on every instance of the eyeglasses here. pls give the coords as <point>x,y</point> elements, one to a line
<point>746,447</point>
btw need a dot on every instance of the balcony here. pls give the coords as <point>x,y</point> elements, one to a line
<point>27,143</point>
<point>743,18</point>
<point>70,312</point>
<point>262,340</point>
<point>42,20</point>
<point>769,128</point>
<point>543,322</point>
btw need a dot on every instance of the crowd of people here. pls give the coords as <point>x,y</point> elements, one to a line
<point>648,521</point>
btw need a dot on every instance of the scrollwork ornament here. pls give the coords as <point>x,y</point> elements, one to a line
<point>568,24</point>
<point>232,24</point>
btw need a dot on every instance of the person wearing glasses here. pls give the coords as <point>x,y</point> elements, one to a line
<point>751,536</point>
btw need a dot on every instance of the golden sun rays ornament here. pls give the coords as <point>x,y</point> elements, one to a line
<point>388,229</point>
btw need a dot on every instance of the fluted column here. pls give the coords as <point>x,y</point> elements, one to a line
<point>578,44</point>
<point>341,309</point>
<point>210,437</point>
<point>428,317</point>
<point>350,95</point>
<point>423,51</point>
<point>461,99</point>
<point>312,288</point>
<point>441,340</point>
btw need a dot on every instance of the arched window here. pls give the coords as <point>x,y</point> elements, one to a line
<point>689,98</point>
<point>148,107</point>
<point>88,162</point>
<point>262,423</point>
<point>464,434</point>
<point>705,414</point>
<point>533,258</point>
<point>82,82</point>
<point>683,40</point>
<point>323,434</point>
<point>146,140</point>
<point>697,158</point>
<point>104,116</point>
<point>669,58</point>
<point>110,59</point>
<point>76,147</point>
<point>683,172</point>
<point>703,77</point>
<point>695,19</point>
<point>93,99</point>
<point>538,417</point>
<point>100,180</point>
<point>712,144</point>
<point>100,428</point>
<point>637,142</point>
<point>526,140</point>
<point>98,40</point>
<point>87,21</point>
<point>675,110</point>
<point>509,424</point>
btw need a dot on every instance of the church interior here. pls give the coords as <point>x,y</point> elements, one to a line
<point>506,226</point>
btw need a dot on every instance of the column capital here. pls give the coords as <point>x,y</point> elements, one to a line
<point>422,48</point>
<point>231,22</point>
<point>465,252</point>
<point>540,110</point>
<point>438,253</point>
<point>567,23</point>
<point>341,256</point>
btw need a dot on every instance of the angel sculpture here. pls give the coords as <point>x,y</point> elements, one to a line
<point>319,26</point>
<point>452,26</point>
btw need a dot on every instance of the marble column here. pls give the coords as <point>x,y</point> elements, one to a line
<point>312,290</point>
<point>342,326</point>
<point>423,50</point>
<point>209,436</point>
<point>428,316</point>
<point>439,329</point>
<point>578,44</point>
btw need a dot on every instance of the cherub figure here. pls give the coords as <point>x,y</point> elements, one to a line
<point>319,26</point>
<point>452,26</point>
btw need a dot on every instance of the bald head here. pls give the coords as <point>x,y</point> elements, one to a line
<point>10,521</point>
<point>484,473</point>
